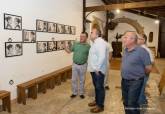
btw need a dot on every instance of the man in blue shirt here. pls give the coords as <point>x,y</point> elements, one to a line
<point>135,65</point>
<point>97,65</point>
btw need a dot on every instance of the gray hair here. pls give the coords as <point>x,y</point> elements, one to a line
<point>134,35</point>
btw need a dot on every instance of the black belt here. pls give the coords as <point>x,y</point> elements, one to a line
<point>134,79</point>
<point>79,63</point>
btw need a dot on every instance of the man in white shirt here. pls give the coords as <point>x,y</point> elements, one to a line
<point>97,66</point>
<point>142,42</point>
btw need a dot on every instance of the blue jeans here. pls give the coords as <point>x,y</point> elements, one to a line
<point>142,98</point>
<point>130,92</point>
<point>98,82</point>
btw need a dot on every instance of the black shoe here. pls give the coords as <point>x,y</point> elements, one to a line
<point>82,96</point>
<point>106,87</point>
<point>73,96</point>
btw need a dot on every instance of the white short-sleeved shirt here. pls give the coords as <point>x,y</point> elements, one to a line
<point>149,51</point>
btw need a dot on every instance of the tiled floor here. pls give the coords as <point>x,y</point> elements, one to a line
<point>57,101</point>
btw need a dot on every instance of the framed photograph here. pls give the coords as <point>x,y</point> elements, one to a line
<point>67,29</point>
<point>41,26</point>
<point>68,44</point>
<point>52,27</point>
<point>41,46</point>
<point>13,49</point>
<point>29,36</point>
<point>52,46</point>
<point>60,45</point>
<point>12,22</point>
<point>73,30</point>
<point>60,28</point>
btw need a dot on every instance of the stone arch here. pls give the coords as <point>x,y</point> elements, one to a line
<point>139,28</point>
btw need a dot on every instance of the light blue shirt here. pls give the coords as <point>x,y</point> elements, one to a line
<point>97,59</point>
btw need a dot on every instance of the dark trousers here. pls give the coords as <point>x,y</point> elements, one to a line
<point>98,82</point>
<point>131,90</point>
<point>142,98</point>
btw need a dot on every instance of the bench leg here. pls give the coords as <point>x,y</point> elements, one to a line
<point>63,77</point>
<point>69,74</point>
<point>4,104</point>
<point>58,80</point>
<point>32,92</point>
<point>50,83</point>
<point>8,103</point>
<point>19,99</point>
<point>42,87</point>
<point>23,95</point>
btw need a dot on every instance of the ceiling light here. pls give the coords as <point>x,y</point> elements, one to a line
<point>157,21</point>
<point>117,10</point>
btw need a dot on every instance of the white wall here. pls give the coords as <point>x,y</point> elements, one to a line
<point>101,14</point>
<point>31,64</point>
<point>147,23</point>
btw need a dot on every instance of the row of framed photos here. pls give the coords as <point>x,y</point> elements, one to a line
<point>16,48</point>
<point>51,27</point>
<point>14,22</point>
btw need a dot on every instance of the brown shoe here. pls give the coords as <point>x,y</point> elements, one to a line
<point>97,109</point>
<point>92,104</point>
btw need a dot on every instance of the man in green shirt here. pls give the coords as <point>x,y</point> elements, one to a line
<point>80,55</point>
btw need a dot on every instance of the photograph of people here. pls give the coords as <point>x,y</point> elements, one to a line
<point>13,49</point>
<point>51,46</point>
<point>18,49</point>
<point>52,27</point>
<point>17,22</point>
<point>9,50</point>
<point>8,22</point>
<point>25,36</point>
<point>29,36</point>
<point>44,26</point>
<point>60,28</point>
<point>41,26</point>
<point>12,22</point>
<point>60,45</point>
<point>73,30</point>
<point>41,47</point>
<point>32,36</point>
<point>67,29</point>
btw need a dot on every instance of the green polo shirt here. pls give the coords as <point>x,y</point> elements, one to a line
<point>80,52</point>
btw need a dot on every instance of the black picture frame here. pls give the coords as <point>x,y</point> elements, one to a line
<point>60,28</point>
<point>52,27</point>
<point>60,45</point>
<point>67,29</point>
<point>68,44</point>
<point>28,36</point>
<point>12,22</point>
<point>41,46</point>
<point>13,49</point>
<point>73,30</point>
<point>41,26</point>
<point>51,46</point>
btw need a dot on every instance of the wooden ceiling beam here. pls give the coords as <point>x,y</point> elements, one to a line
<point>144,4</point>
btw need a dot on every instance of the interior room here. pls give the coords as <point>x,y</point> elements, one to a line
<point>37,70</point>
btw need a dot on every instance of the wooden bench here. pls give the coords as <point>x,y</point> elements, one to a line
<point>6,103</point>
<point>40,84</point>
<point>31,87</point>
<point>162,83</point>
